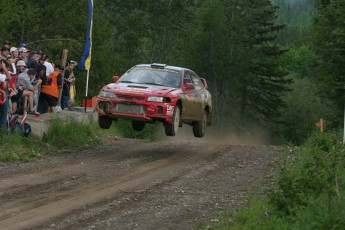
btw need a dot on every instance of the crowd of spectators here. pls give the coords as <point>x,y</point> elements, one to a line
<point>28,73</point>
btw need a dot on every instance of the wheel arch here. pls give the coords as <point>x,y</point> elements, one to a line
<point>209,114</point>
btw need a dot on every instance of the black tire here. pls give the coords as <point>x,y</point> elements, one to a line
<point>172,128</point>
<point>104,122</point>
<point>199,127</point>
<point>138,125</point>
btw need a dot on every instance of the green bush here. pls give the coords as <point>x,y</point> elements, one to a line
<point>315,170</point>
<point>322,211</point>
<point>310,192</point>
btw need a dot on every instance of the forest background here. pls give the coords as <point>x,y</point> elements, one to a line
<point>274,68</point>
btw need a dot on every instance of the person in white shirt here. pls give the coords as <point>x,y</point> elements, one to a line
<point>49,66</point>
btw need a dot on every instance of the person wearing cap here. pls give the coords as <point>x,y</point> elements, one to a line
<point>12,59</point>
<point>50,90</point>
<point>23,54</point>
<point>15,85</point>
<point>14,53</point>
<point>33,60</point>
<point>24,80</point>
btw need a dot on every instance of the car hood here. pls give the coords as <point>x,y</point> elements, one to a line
<point>138,89</point>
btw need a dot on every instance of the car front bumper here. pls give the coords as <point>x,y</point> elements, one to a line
<point>135,110</point>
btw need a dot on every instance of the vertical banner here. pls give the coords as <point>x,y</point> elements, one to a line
<point>85,62</point>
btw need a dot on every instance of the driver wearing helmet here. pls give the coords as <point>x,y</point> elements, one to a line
<point>172,80</point>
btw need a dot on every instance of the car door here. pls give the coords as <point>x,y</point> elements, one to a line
<point>187,97</point>
<point>199,97</point>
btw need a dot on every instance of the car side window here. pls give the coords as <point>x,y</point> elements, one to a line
<point>196,81</point>
<point>187,77</point>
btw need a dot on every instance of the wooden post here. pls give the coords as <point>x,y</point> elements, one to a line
<point>321,124</point>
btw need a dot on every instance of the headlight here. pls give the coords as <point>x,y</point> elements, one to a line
<point>106,94</point>
<point>155,99</point>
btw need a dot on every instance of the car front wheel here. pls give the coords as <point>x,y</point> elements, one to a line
<point>138,125</point>
<point>172,128</point>
<point>199,127</point>
<point>104,122</point>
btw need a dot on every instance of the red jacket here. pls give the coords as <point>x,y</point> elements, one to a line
<point>2,95</point>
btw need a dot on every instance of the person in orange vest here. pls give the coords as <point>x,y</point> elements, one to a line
<point>50,90</point>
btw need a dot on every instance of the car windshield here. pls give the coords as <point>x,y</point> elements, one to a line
<point>152,76</point>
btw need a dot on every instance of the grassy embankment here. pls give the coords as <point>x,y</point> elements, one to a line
<point>65,135</point>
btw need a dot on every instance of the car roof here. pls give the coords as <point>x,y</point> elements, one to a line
<point>163,65</point>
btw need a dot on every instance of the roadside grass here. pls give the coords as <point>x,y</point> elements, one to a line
<point>15,146</point>
<point>257,216</point>
<point>67,135</point>
<point>310,192</point>
<point>71,134</point>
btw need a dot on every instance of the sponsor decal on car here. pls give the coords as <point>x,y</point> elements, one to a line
<point>170,109</point>
<point>135,90</point>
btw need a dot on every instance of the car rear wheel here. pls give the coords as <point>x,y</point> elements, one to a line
<point>199,127</point>
<point>104,122</point>
<point>138,125</point>
<point>172,128</point>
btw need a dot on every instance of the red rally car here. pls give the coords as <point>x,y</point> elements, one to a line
<point>149,93</point>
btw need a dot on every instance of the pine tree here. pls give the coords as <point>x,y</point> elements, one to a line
<point>262,78</point>
<point>329,37</point>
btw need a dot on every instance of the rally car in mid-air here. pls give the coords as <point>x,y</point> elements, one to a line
<point>149,93</point>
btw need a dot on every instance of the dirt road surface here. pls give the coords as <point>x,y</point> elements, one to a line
<point>134,184</point>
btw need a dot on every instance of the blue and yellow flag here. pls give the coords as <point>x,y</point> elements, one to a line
<point>85,62</point>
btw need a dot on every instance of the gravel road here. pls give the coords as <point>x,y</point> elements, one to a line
<point>134,184</point>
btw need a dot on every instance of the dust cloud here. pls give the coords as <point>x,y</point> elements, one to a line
<point>213,136</point>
